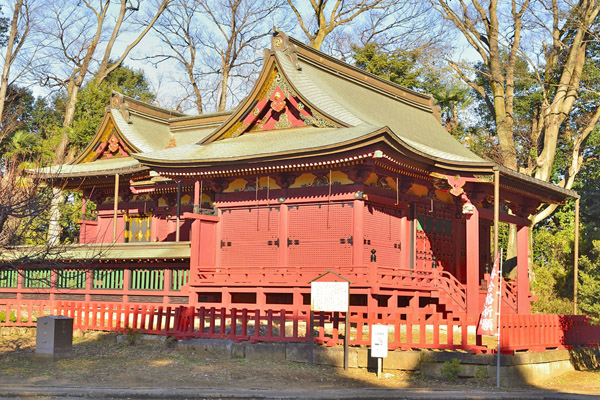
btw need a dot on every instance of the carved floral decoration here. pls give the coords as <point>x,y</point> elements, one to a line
<point>278,108</point>
<point>111,148</point>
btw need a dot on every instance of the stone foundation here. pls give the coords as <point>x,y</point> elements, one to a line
<point>523,368</point>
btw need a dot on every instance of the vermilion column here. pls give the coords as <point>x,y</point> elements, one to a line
<point>283,257</point>
<point>523,304</point>
<point>358,234</point>
<point>472,247</point>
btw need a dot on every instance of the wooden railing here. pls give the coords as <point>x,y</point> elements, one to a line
<point>277,275</point>
<point>455,290</point>
<point>406,330</point>
<point>539,332</point>
<point>374,276</point>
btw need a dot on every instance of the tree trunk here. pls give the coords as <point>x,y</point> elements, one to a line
<point>9,58</point>
<point>197,93</point>
<point>317,41</point>
<point>223,95</point>
<point>54,229</point>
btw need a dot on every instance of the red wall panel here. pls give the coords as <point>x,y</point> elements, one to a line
<point>249,236</point>
<point>320,234</point>
<point>383,232</point>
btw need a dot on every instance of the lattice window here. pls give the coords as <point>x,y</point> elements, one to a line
<point>179,278</point>
<point>434,237</point>
<point>37,278</point>
<point>8,279</point>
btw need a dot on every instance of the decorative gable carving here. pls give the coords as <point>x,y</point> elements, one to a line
<point>113,147</point>
<point>277,107</point>
<point>108,144</point>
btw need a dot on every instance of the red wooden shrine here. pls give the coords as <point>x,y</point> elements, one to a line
<point>321,167</point>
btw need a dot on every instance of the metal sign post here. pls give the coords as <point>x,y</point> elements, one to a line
<point>332,297</point>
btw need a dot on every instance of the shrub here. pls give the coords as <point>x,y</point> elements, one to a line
<point>132,336</point>
<point>451,370</point>
<point>481,374</point>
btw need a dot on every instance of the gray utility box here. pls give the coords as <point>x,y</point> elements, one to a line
<point>54,337</point>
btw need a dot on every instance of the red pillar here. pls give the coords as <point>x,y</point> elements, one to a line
<point>197,197</point>
<point>358,232</point>
<point>283,235</point>
<point>523,304</point>
<point>472,237</point>
<point>405,244</point>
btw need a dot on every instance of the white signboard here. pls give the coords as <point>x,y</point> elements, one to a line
<point>379,341</point>
<point>329,296</point>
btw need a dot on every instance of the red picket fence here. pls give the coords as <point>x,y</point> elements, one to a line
<point>22,313</point>
<point>241,325</point>
<point>539,332</point>
<point>146,318</point>
<point>406,331</point>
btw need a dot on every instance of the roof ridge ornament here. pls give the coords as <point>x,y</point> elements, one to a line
<point>118,102</point>
<point>280,42</point>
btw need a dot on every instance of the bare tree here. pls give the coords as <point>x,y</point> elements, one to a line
<point>215,42</point>
<point>180,32</point>
<point>20,27</point>
<point>382,17</point>
<point>75,36</point>
<point>501,36</point>
<point>25,199</point>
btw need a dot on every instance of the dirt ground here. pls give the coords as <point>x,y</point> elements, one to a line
<point>99,360</point>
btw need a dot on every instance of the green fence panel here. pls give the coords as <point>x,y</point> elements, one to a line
<point>107,279</point>
<point>36,278</point>
<point>8,279</point>
<point>179,278</point>
<point>71,279</point>
<point>147,279</point>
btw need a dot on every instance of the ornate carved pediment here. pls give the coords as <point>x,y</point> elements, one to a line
<point>278,107</point>
<point>109,143</point>
<point>113,147</point>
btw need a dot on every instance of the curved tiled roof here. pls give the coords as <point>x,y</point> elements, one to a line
<point>108,166</point>
<point>332,91</point>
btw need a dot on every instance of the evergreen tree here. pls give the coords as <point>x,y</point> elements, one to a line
<point>93,99</point>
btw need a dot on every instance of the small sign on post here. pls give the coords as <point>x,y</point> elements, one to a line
<point>331,296</point>
<point>379,345</point>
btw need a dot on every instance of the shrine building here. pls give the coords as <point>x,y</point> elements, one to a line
<point>322,166</point>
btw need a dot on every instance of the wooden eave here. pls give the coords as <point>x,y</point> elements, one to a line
<point>379,136</point>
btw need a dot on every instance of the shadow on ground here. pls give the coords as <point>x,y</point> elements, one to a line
<point>106,360</point>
